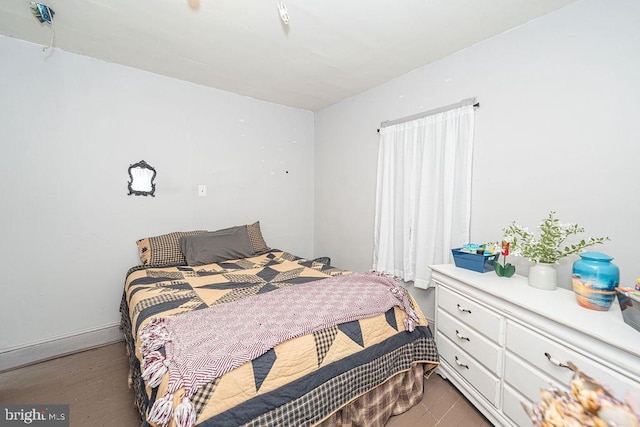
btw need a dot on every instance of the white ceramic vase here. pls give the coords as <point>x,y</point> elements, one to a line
<point>543,276</point>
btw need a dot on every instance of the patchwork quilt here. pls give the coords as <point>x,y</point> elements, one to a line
<point>299,382</point>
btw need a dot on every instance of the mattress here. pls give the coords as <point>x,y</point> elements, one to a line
<point>329,377</point>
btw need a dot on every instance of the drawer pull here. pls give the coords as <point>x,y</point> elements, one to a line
<point>557,362</point>
<point>464,310</point>
<point>459,363</point>
<point>462,337</point>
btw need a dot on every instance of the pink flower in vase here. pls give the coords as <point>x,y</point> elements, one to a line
<point>506,269</point>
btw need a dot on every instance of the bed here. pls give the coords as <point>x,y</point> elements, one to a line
<point>358,372</point>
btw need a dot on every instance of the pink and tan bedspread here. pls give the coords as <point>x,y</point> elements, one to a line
<point>316,378</point>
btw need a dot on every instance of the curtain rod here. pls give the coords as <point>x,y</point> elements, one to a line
<point>468,101</point>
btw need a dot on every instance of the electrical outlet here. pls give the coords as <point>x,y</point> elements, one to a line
<point>202,190</point>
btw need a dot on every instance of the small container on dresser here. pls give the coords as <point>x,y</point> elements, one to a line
<point>629,301</point>
<point>595,279</point>
<point>475,262</point>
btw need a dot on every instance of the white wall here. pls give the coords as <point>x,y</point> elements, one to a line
<point>557,130</point>
<point>70,126</point>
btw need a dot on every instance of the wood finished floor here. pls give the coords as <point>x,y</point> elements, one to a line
<point>94,384</point>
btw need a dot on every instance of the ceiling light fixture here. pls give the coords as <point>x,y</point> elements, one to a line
<point>284,14</point>
<point>44,14</point>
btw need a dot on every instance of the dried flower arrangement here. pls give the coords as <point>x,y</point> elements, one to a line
<point>589,404</point>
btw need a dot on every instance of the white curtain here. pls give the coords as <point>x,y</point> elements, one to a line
<point>423,196</point>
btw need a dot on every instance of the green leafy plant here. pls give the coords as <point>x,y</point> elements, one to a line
<point>549,246</point>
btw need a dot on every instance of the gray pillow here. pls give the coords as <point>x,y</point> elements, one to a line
<point>216,246</point>
<point>222,232</point>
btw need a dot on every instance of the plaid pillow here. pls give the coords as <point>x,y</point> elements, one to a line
<point>255,236</point>
<point>164,249</point>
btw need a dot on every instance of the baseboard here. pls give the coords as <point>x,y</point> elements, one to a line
<point>432,324</point>
<point>27,355</point>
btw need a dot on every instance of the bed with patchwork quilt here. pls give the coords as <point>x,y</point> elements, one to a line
<point>272,340</point>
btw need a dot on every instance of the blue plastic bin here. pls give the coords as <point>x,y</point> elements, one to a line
<point>475,262</point>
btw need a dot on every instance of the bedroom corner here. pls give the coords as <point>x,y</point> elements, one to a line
<point>72,125</point>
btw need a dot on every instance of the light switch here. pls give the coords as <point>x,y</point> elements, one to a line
<point>202,190</point>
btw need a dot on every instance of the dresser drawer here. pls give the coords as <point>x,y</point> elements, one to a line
<point>527,379</point>
<point>512,406</point>
<point>534,348</point>
<point>471,313</point>
<point>481,379</point>
<point>472,342</point>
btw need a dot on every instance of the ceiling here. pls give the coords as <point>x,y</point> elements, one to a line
<point>330,50</point>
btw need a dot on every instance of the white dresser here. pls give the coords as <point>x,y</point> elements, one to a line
<point>501,340</point>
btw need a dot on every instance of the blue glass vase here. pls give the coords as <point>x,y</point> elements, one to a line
<point>594,280</point>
